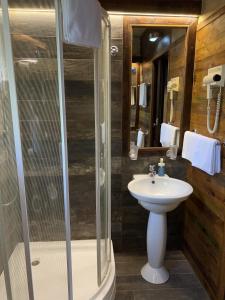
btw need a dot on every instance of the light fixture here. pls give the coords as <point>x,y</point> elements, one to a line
<point>152,14</point>
<point>153,37</point>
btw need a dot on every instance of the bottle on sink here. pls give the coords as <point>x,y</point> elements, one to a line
<point>161,167</point>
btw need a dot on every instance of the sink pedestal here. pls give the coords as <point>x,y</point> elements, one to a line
<point>159,196</point>
<point>154,271</point>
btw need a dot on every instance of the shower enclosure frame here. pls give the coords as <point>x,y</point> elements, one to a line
<point>105,19</point>
<point>64,151</point>
<point>59,39</point>
<point>18,145</point>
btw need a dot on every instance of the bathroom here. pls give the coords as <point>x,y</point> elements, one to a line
<point>70,122</point>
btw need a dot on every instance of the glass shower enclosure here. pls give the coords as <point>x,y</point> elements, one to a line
<point>38,258</point>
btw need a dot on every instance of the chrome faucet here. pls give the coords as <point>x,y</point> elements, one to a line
<point>152,172</point>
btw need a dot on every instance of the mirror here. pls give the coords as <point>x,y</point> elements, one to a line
<point>158,66</point>
<point>157,85</point>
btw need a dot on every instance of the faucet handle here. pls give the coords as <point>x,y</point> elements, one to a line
<point>152,168</point>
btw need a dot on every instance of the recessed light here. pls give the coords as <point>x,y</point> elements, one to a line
<point>153,37</point>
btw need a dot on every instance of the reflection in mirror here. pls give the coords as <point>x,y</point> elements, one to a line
<point>157,85</point>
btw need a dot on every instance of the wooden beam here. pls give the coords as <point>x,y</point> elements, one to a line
<point>154,6</point>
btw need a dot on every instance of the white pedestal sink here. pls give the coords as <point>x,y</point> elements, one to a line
<point>159,195</point>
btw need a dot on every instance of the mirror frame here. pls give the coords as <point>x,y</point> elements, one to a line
<point>189,22</point>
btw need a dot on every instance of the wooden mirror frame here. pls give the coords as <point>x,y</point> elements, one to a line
<point>161,21</point>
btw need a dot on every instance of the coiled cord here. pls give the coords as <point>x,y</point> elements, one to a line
<point>218,105</point>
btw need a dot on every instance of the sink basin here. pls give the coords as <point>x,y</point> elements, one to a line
<point>158,195</point>
<point>161,194</point>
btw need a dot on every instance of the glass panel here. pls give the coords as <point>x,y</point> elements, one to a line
<point>33,33</point>
<point>12,254</point>
<point>103,127</point>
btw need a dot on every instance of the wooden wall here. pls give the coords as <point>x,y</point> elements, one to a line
<point>176,59</point>
<point>204,228</point>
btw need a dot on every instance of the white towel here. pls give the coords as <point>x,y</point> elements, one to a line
<point>82,22</point>
<point>143,95</point>
<point>169,135</point>
<point>140,139</point>
<point>203,152</point>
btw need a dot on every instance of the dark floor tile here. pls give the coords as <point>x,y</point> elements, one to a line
<point>129,258</point>
<point>129,269</point>
<point>133,267</point>
<point>178,267</point>
<point>137,283</point>
<point>183,284</point>
<point>172,294</point>
<point>124,296</point>
<point>176,254</point>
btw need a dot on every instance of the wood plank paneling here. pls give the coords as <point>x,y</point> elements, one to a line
<point>176,58</point>
<point>204,229</point>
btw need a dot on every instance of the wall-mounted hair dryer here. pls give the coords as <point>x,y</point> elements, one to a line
<point>172,86</point>
<point>215,78</point>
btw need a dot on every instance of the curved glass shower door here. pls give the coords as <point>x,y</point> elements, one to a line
<point>13,273</point>
<point>37,258</point>
<point>35,240</point>
<point>103,150</point>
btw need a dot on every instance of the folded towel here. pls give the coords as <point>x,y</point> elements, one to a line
<point>203,152</point>
<point>169,135</point>
<point>133,95</point>
<point>82,22</point>
<point>143,95</point>
<point>140,139</point>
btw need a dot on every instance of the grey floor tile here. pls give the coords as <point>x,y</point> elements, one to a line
<point>128,258</point>
<point>183,284</point>
<point>124,296</point>
<point>178,267</point>
<point>130,268</point>
<point>130,283</point>
<point>172,294</point>
<point>176,255</point>
<point>133,267</point>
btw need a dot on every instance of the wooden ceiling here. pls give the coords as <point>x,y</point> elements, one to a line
<point>154,6</point>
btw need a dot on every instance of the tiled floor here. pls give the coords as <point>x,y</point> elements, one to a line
<point>182,285</point>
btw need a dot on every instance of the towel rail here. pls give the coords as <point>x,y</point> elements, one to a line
<point>221,142</point>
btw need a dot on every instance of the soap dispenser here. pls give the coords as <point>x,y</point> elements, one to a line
<point>161,167</point>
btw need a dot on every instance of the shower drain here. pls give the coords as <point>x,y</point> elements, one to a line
<point>35,262</point>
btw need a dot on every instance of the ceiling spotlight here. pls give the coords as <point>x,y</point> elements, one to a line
<point>153,37</point>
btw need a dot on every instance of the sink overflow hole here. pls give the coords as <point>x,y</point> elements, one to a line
<point>35,262</point>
